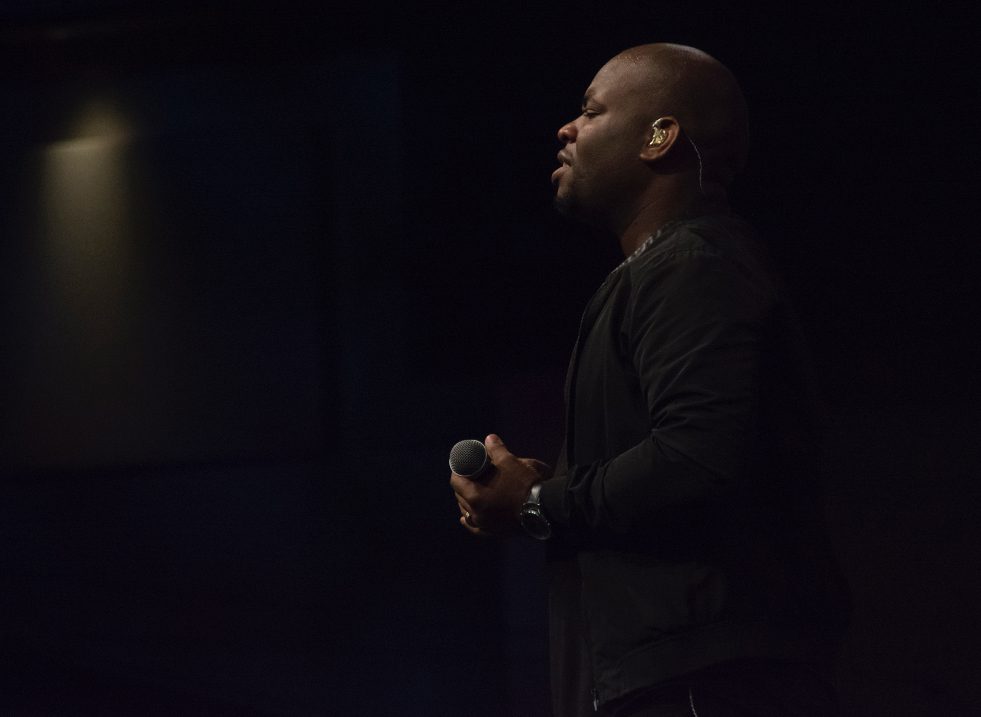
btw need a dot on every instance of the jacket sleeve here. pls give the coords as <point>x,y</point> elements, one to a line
<point>693,330</point>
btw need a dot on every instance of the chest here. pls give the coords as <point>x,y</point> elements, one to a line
<point>607,406</point>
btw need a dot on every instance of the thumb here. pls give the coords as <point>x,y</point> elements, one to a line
<point>496,450</point>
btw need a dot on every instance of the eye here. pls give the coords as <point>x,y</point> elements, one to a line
<point>587,112</point>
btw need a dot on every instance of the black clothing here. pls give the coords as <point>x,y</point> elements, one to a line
<point>743,688</point>
<point>687,530</point>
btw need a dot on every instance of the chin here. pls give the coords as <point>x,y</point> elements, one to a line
<point>567,206</point>
<point>564,205</point>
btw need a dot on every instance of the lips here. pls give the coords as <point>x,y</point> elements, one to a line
<point>565,161</point>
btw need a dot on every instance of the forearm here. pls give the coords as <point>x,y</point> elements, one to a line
<point>632,491</point>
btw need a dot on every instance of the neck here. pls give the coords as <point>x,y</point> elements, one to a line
<point>658,209</point>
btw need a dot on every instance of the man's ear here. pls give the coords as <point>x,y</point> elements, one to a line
<point>663,134</point>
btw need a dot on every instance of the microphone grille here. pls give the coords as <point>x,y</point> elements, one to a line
<point>468,457</point>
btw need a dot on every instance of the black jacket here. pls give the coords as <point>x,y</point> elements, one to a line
<point>687,524</point>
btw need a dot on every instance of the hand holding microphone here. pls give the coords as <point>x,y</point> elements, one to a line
<point>491,484</point>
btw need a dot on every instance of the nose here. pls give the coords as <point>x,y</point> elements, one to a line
<point>567,132</point>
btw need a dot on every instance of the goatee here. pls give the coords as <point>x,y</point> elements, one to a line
<point>563,205</point>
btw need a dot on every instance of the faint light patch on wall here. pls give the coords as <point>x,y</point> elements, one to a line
<point>86,220</point>
<point>91,276</point>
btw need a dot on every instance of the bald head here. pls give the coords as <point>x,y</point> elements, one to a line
<point>662,132</point>
<point>698,90</point>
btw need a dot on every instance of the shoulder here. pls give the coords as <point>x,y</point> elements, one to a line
<point>704,249</point>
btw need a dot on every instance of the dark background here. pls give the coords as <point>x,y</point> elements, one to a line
<point>263,263</point>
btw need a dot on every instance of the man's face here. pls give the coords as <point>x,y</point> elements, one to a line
<point>600,158</point>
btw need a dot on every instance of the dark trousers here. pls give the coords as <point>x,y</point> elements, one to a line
<point>743,688</point>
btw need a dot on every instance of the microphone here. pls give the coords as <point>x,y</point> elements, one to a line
<point>468,458</point>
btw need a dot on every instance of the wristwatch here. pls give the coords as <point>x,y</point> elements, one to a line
<point>532,519</point>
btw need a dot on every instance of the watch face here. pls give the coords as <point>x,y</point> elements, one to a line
<point>535,523</point>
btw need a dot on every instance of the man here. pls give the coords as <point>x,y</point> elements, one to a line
<point>688,569</point>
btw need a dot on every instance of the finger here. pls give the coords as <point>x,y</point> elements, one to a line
<point>467,518</point>
<point>464,506</point>
<point>464,487</point>
<point>472,529</point>
<point>497,451</point>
